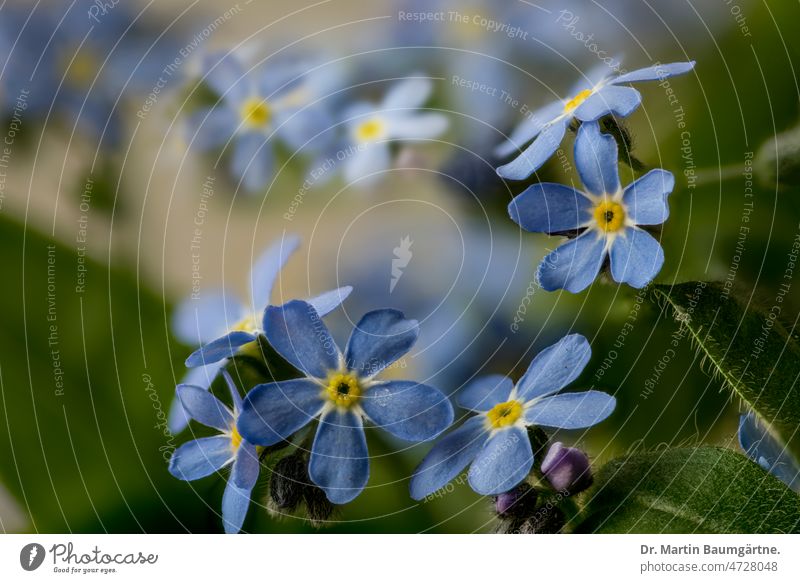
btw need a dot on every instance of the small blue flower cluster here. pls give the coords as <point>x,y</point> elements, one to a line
<point>339,390</point>
<point>604,220</point>
<point>322,406</point>
<point>261,106</point>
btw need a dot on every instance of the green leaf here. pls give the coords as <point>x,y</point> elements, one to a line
<point>87,374</point>
<point>694,490</point>
<point>747,347</point>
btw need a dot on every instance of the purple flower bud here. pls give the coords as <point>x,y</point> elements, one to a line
<point>516,501</point>
<point>567,468</point>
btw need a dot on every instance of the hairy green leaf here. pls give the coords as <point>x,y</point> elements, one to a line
<point>747,347</point>
<point>693,490</point>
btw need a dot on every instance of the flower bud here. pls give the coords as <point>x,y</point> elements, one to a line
<point>567,468</point>
<point>516,502</point>
<point>777,162</point>
<point>318,508</point>
<point>289,479</point>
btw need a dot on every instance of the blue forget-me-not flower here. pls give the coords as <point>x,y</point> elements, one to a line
<point>204,456</point>
<point>592,98</point>
<point>257,106</point>
<point>372,127</point>
<point>495,441</point>
<point>608,218</point>
<point>762,447</point>
<point>221,323</point>
<point>341,390</point>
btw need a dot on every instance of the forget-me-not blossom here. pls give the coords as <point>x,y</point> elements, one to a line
<point>495,441</point>
<point>341,389</point>
<point>220,323</point>
<point>371,128</point>
<point>607,217</point>
<point>257,107</point>
<point>204,456</point>
<point>592,98</point>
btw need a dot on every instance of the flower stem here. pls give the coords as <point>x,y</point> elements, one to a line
<point>719,174</point>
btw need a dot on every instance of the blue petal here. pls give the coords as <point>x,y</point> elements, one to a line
<point>596,159</point>
<point>223,347</point>
<point>339,458</point>
<point>267,267</point>
<point>762,447</point>
<point>574,265</point>
<point>236,398</point>
<point>646,198</point>
<point>226,77</point>
<point>483,393</point>
<point>655,72</point>
<point>408,93</point>
<point>555,367</point>
<point>235,502</point>
<point>504,462</point>
<point>594,77</point>
<point>201,376</point>
<point>204,407</point>
<point>297,333</point>
<point>367,164</point>
<point>550,208</point>
<point>210,128</point>
<point>201,320</point>
<point>420,126</point>
<point>636,258</point>
<point>273,412</point>
<point>529,128</point>
<point>252,160</point>
<point>278,79</point>
<point>305,129</point>
<point>449,456</point>
<point>246,466</point>
<point>535,155</point>
<point>571,410</point>
<point>378,340</point>
<point>619,100</point>
<point>200,458</point>
<point>408,410</point>
<point>328,301</point>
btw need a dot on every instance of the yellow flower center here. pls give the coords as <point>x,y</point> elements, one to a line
<point>80,69</point>
<point>246,324</point>
<point>576,101</point>
<point>371,130</point>
<point>504,414</point>
<point>255,113</point>
<point>343,390</point>
<point>609,216</point>
<point>236,439</point>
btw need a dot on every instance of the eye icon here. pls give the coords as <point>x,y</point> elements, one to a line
<point>31,556</point>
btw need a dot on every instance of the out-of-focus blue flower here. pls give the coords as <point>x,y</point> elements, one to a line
<point>81,69</point>
<point>762,447</point>
<point>608,217</point>
<point>221,323</point>
<point>467,296</point>
<point>341,389</point>
<point>495,442</point>
<point>258,106</point>
<point>592,98</point>
<point>202,457</point>
<point>372,128</point>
